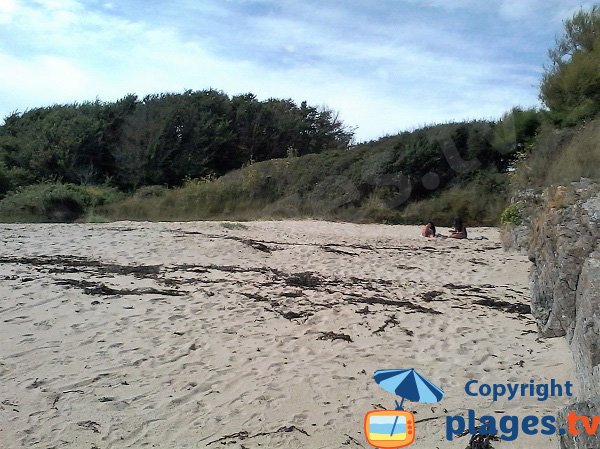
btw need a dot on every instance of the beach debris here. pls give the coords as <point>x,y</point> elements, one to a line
<point>378,407</point>
<point>292,315</point>
<point>331,249</point>
<point>245,435</point>
<point>70,264</point>
<point>505,306</point>
<point>256,245</point>
<point>365,311</point>
<point>332,336</point>
<point>389,302</point>
<point>431,295</point>
<point>304,279</point>
<point>459,287</point>
<point>351,440</point>
<point>480,441</point>
<point>277,307</point>
<point>390,321</point>
<point>93,288</point>
<point>92,425</point>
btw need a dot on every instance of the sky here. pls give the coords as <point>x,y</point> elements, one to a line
<point>385,65</point>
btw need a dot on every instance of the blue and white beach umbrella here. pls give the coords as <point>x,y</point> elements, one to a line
<point>408,384</point>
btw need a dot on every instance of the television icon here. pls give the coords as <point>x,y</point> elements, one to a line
<point>389,428</point>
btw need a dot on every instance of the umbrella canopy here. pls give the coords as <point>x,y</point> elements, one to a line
<point>408,384</point>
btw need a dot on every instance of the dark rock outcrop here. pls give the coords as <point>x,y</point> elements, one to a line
<point>563,244</point>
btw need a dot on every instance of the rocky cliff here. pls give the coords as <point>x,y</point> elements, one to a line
<point>562,239</point>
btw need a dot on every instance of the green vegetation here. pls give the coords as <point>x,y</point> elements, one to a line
<point>205,155</point>
<point>361,184</point>
<point>570,86</point>
<point>55,202</point>
<point>559,156</point>
<point>162,139</point>
<point>511,215</point>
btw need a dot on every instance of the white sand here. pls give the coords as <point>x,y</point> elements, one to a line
<point>147,369</point>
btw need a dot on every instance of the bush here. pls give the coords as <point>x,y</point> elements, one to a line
<point>478,203</point>
<point>13,178</point>
<point>511,215</point>
<point>54,202</point>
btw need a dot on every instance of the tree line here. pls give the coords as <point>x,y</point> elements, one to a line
<point>160,139</point>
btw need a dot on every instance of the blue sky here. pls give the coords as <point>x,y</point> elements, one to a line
<point>385,65</point>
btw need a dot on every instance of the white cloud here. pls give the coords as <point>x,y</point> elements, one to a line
<point>383,78</point>
<point>7,11</point>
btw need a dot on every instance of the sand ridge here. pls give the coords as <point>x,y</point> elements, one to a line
<point>262,334</point>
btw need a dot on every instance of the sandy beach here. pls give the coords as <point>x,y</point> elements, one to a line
<point>262,334</point>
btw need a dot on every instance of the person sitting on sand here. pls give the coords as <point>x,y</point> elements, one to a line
<point>428,230</point>
<point>458,231</point>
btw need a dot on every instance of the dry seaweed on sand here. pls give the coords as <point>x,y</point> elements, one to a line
<point>390,302</point>
<point>245,435</point>
<point>392,321</point>
<point>431,296</point>
<point>257,245</point>
<point>93,288</point>
<point>332,336</point>
<point>351,440</point>
<point>505,306</point>
<point>304,279</point>
<point>331,249</point>
<point>482,442</point>
<point>92,425</point>
<point>70,264</point>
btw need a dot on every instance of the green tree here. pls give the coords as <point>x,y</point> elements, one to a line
<point>570,86</point>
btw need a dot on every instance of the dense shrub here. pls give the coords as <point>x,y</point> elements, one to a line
<point>54,202</point>
<point>511,215</point>
<point>321,186</point>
